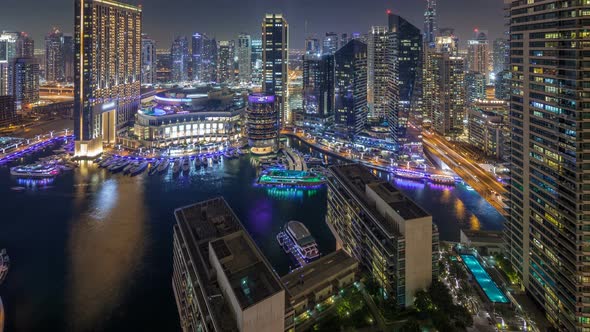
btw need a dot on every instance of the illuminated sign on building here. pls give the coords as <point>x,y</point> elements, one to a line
<point>261,99</point>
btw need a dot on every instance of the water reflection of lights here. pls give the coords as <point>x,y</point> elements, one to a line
<point>106,198</point>
<point>104,255</point>
<point>459,209</point>
<point>404,183</point>
<point>35,183</point>
<point>290,193</point>
<point>474,223</point>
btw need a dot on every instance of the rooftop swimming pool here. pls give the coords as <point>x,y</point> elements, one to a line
<point>484,280</point>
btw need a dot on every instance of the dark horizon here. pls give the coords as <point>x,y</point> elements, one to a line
<point>164,20</point>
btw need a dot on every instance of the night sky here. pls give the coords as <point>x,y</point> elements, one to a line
<point>163,19</point>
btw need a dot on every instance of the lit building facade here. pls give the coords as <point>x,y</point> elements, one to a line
<point>350,89</point>
<point>262,124</point>
<point>430,23</point>
<point>26,82</point>
<point>55,65</point>
<point>245,58</point>
<point>408,53</point>
<point>275,61</point>
<point>225,60</point>
<point>549,222</point>
<point>148,61</point>
<point>312,46</point>
<point>378,73</point>
<point>444,91</point>
<point>488,127</point>
<point>199,44</point>
<point>25,46</point>
<point>500,54</point>
<point>392,237</point>
<point>478,54</point>
<point>180,59</point>
<point>8,52</point>
<point>200,115</point>
<point>257,62</point>
<point>318,84</point>
<point>475,87</point>
<point>330,43</point>
<point>68,56</point>
<point>108,71</point>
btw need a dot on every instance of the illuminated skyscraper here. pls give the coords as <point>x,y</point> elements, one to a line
<point>382,91</point>
<point>350,89</point>
<point>430,23</point>
<point>262,124</point>
<point>478,54</point>
<point>180,59</point>
<point>318,84</point>
<point>8,52</point>
<point>67,45</point>
<point>54,65</point>
<point>25,46</point>
<point>275,59</point>
<point>500,54</point>
<point>199,43</point>
<point>26,82</point>
<point>330,44</point>
<point>257,62</point>
<point>444,89</point>
<point>148,60</point>
<point>225,59</point>
<point>547,232</point>
<point>245,58</point>
<point>408,52</point>
<point>312,46</point>
<point>107,72</point>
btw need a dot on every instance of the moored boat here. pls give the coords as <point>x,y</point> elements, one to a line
<point>140,168</point>
<point>130,166</point>
<point>154,167</point>
<point>297,240</point>
<point>186,165</point>
<point>35,171</point>
<point>119,165</point>
<point>163,167</point>
<point>177,166</point>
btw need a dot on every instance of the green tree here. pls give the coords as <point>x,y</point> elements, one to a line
<point>423,303</point>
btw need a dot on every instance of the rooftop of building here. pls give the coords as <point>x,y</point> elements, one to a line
<point>357,177</point>
<point>318,273</point>
<point>248,276</point>
<point>213,224</point>
<point>194,100</point>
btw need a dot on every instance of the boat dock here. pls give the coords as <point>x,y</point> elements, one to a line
<point>296,162</point>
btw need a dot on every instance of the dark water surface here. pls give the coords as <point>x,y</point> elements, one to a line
<point>92,251</point>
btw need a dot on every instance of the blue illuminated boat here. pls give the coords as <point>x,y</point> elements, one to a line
<point>163,167</point>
